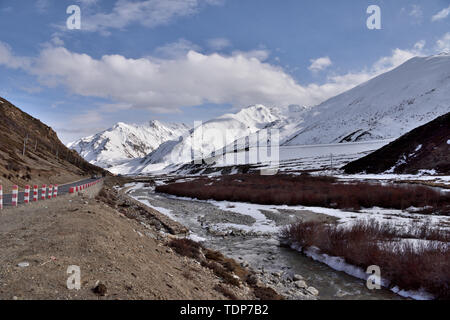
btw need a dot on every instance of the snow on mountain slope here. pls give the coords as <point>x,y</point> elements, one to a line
<point>126,141</point>
<point>385,107</point>
<point>211,136</point>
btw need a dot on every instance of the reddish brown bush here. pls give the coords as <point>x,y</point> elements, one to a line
<point>408,266</point>
<point>311,191</point>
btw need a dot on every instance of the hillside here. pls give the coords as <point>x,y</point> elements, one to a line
<point>424,148</point>
<point>45,160</point>
<point>124,142</point>
<point>385,107</point>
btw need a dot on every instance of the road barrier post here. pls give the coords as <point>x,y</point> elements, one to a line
<point>35,193</point>
<point>55,191</point>
<point>44,192</point>
<point>26,197</point>
<point>1,197</point>
<point>50,191</point>
<point>15,193</point>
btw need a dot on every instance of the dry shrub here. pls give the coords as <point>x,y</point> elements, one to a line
<point>221,272</point>
<point>405,264</point>
<point>309,190</point>
<point>226,292</point>
<point>186,248</point>
<point>214,255</point>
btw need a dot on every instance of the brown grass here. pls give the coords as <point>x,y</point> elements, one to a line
<point>226,292</point>
<point>186,248</point>
<point>369,243</point>
<point>311,191</point>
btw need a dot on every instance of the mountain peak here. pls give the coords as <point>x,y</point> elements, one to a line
<point>125,141</point>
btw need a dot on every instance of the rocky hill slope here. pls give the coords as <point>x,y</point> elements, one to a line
<point>30,152</point>
<point>424,148</point>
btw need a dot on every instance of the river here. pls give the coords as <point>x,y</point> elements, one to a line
<point>261,250</point>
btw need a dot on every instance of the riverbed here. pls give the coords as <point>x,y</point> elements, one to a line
<point>250,235</point>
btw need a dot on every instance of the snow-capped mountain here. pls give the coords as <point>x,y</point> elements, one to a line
<point>124,142</point>
<point>385,107</point>
<point>215,134</point>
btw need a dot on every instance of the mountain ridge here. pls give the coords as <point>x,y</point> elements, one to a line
<point>385,107</point>
<point>124,142</point>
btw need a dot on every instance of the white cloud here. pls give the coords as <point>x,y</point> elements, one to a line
<point>87,3</point>
<point>218,44</point>
<point>166,85</point>
<point>88,117</point>
<point>443,44</point>
<point>420,45</point>
<point>56,40</point>
<point>176,49</point>
<point>416,11</point>
<point>8,58</point>
<point>149,13</point>
<point>320,64</point>
<point>441,14</point>
<point>259,54</point>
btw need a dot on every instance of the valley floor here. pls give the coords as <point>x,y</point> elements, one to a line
<point>239,228</point>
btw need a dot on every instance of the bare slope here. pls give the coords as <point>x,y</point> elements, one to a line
<point>46,158</point>
<point>424,148</point>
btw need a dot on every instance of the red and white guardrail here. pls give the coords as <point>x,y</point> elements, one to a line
<point>84,186</point>
<point>52,192</point>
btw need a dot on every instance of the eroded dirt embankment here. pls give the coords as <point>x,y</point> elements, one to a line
<point>116,242</point>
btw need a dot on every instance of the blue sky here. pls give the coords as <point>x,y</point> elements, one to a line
<point>186,60</point>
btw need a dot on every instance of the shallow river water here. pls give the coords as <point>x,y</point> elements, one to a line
<point>261,251</point>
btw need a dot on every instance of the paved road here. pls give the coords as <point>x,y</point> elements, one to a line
<point>62,189</point>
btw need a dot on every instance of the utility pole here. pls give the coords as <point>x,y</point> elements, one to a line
<point>331,160</point>
<point>24,145</point>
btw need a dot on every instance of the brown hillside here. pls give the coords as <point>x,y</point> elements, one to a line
<point>424,148</point>
<point>46,158</point>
